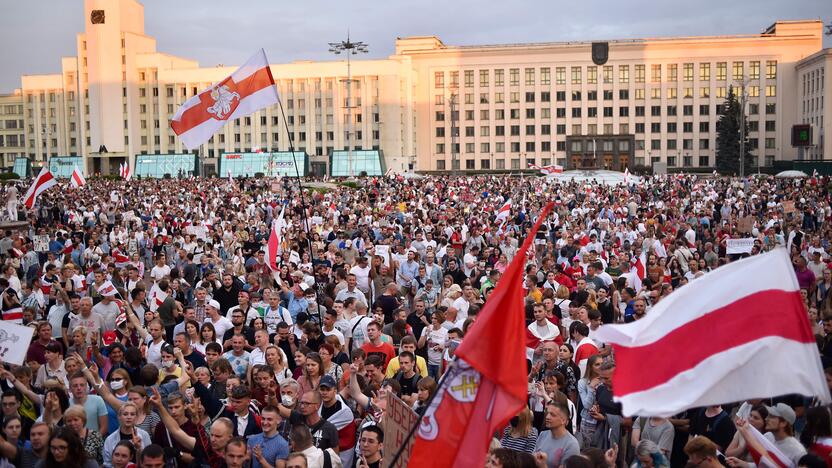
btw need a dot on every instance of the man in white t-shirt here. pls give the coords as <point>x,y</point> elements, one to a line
<point>161,269</point>
<point>362,274</point>
<point>434,338</point>
<point>220,323</point>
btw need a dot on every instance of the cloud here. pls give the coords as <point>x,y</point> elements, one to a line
<point>213,32</point>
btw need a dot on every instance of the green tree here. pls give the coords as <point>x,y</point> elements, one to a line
<point>728,138</point>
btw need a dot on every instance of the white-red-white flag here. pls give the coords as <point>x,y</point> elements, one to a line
<point>77,179</point>
<point>547,170</point>
<point>107,289</point>
<point>503,212</point>
<point>273,245</point>
<point>249,89</point>
<point>124,171</point>
<point>43,181</point>
<point>638,271</point>
<point>752,335</point>
<point>157,297</point>
<point>773,457</point>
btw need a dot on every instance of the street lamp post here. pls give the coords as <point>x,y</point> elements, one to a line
<point>350,48</point>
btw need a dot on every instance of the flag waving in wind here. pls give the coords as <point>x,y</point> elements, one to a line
<point>248,89</point>
<point>503,212</point>
<point>273,245</point>
<point>77,179</point>
<point>43,181</point>
<point>752,340</point>
<point>487,385</point>
<point>124,171</point>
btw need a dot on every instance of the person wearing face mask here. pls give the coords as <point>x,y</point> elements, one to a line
<point>520,435</point>
<point>314,311</point>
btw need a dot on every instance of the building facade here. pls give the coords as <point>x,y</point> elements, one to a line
<point>12,138</point>
<point>431,106</point>
<point>815,88</point>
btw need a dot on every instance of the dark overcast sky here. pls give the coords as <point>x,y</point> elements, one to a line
<point>36,33</point>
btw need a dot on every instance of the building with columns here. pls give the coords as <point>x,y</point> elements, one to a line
<point>432,106</point>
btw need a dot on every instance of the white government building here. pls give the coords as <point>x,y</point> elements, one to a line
<point>429,106</point>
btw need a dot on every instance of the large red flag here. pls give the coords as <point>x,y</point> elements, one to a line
<point>487,385</point>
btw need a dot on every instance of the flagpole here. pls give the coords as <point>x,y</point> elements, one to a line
<point>419,420</point>
<point>306,225</point>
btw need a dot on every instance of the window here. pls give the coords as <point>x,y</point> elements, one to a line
<point>672,72</point>
<point>592,75</point>
<point>560,129</point>
<point>576,95</point>
<point>545,113</point>
<point>545,146</point>
<point>529,113</point>
<point>440,116</point>
<point>623,94</point>
<point>639,111</point>
<point>738,71</point>
<point>655,73</point>
<point>469,148</point>
<point>545,129</point>
<point>671,144</point>
<point>687,110</point>
<point>771,69</point>
<point>623,74</point>
<point>671,93</point>
<point>704,161</point>
<point>499,114</point>
<point>771,90</point>
<point>498,77</point>
<point>656,93</point>
<point>721,71</point>
<point>500,130</point>
<point>454,79</point>
<point>484,114</point>
<point>515,148</point>
<point>671,127</point>
<point>560,113</point>
<point>560,75</point>
<point>623,111</point>
<point>607,74</point>
<point>501,163</point>
<point>687,93</point>
<point>485,163</point>
<point>640,94</point>
<point>469,98</point>
<point>530,77</point>
<point>770,126</point>
<point>576,112</point>
<point>687,127</point>
<point>640,127</point>
<point>576,75</point>
<point>655,111</point>
<point>770,143</point>
<point>655,144</point>
<point>560,146</point>
<point>639,73</point>
<point>483,98</point>
<point>560,95</point>
<point>514,96</point>
<point>545,96</point>
<point>440,132</point>
<point>704,144</point>
<point>704,92</point>
<point>687,161</point>
<point>704,127</point>
<point>754,70</point>
<point>753,109</point>
<point>515,130</point>
<point>592,112</point>
<point>439,80</point>
<point>530,146</point>
<point>671,110</point>
<point>530,96</point>
<point>514,77</point>
<point>687,72</point>
<point>720,92</point>
<point>704,72</point>
<point>545,76</point>
<point>687,144</point>
<point>656,127</point>
<point>514,113</point>
<point>754,91</point>
<point>440,163</point>
<point>499,98</point>
<point>483,78</point>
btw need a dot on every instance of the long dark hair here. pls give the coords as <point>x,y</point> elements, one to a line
<point>76,457</point>
<point>818,424</point>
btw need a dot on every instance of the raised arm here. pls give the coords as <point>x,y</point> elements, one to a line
<point>170,423</point>
<point>355,390</point>
<point>26,391</point>
<point>91,373</point>
<point>131,316</point>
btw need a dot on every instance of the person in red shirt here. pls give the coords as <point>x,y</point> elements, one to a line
<point>374,345</point>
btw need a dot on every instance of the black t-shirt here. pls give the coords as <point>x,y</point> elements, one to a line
<point>327,412</point>
<point>720,429</point>
<point>408,384</point>
<point>324,433</point>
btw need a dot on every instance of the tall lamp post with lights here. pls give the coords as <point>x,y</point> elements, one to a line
<point>350,48</point>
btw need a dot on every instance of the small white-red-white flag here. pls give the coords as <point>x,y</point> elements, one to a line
<point>626,176</point>
<point>503,212</point>
<point>107,289</point>
<point>157,297</point>
<point>547,170</point>
<point>124,171</point>
<point>43,181</point>
<point>273,246</point>
<point>249,89</point>
<point>753,334</point>
<point>77,179</point>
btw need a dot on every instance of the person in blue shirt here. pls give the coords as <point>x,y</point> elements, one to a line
<point>268,446</point>
<point>295,300</point>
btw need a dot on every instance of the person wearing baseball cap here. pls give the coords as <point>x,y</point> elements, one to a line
<point>780,427</point>
<point>212,314</point>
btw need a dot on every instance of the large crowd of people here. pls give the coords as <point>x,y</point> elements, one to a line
<point>203,355</point>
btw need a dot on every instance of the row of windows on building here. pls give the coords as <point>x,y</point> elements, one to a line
<point>543,75</point>
<point>656,144</point>
<point>11,109</point>
<point>11,141</point>
<point>607,95</point>
<point>813,81</point>
<point>608,111</point>
<point>592,129</point>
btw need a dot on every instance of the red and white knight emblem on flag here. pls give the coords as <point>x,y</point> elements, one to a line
<point>226,99</point>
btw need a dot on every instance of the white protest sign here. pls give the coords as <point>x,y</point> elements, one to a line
<point>41,243</point>
<point>383,251</point>
<point>14,342</point>
<point>739,246</point>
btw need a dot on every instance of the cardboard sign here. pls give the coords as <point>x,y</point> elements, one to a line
<point>745,225</point>
<point>788,206</point>
<point>397,422</point>
<point>14,342</point>
<point>739,246</point>
<point>41,243</point>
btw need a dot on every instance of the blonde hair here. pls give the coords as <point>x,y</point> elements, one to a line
<point>76,411</point>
